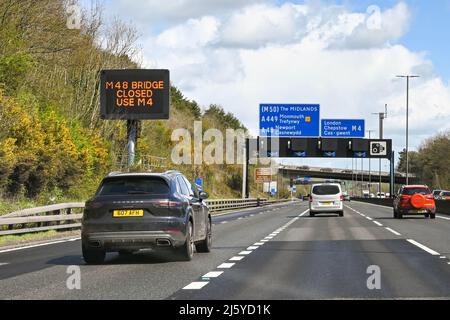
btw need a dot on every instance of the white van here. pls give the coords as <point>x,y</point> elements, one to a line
<point>326,198</point>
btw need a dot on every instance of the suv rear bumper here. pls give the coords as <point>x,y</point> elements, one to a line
<point>133,240</point>
<point>412,211</point>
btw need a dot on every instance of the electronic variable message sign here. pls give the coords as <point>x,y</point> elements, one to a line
<point>135,94</point>
<point>289,120</point>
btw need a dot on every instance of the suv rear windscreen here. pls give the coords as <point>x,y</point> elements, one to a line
<point>133,185</point>
<point>326,190</point>
<point>413,191</point>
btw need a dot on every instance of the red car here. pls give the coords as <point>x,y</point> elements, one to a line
<point>414,200</point>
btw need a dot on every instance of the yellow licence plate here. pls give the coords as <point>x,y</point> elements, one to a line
<point>128,213</point>
<point>327,203</point>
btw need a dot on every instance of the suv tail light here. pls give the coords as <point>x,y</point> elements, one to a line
<point>168,204</point>
<point>404,200</point>
<point>342,198</point>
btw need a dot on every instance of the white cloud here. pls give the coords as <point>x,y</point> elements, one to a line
<point>169,12</point>
<point>259,25</point>
<point>377,28</point>
<point>190,35</point>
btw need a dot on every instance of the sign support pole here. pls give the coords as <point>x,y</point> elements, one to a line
<point>392,169</point>
<point>247,162</point>
<point>132,128</point>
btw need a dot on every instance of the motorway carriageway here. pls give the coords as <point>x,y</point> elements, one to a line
<point>275,252</point>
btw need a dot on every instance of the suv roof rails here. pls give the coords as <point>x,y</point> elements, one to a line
<point>111,174</point>
<point>171,172</point>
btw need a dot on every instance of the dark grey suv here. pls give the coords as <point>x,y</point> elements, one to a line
<point>134,211</point>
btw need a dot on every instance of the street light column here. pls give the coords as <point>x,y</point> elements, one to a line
<point>408,77</point>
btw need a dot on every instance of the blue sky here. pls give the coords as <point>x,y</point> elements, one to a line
<point>429,30</point>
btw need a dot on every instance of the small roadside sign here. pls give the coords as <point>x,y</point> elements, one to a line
<point>263,175</point>
<point>199,184</point>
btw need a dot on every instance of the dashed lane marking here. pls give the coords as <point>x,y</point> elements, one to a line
<point>213,274</point>
<point>237,258</point>
<point>423,247</point>
<point>393,231</point>
<point>226,266</point>
<point>196,285</point>
<point>378,224</point>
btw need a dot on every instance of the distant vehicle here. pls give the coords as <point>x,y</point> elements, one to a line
<point>414,200</point>
<point>381,195</point>
<point>436,194</point>
<point>326,198</point>
<point>388,195</point>
<point>346,196</point>
<point>444,195</point>
<point>134,211</point>
<point>372,196</point>
<point>366,194</point>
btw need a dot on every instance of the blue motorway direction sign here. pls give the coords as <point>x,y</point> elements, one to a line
<point>199,184</point>
<point>343,128</point>
<point>289,120</point>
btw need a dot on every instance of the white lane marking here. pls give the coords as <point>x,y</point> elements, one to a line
<point>3,264</point>
<point>213,274</point>
<point>226,266</point>
<point>369,218</point>
<point>237,258</point>
<point>378,224</point>
<point>223,222</point>
<point>443,257</point>
<point>268,238</point>
<point>240,218</point>
<point>393,231</point>
<point>425,248</point>
<point>195,286</point>
<point>252,248</point>
<point>39,245</point>
<point>441,217</point>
